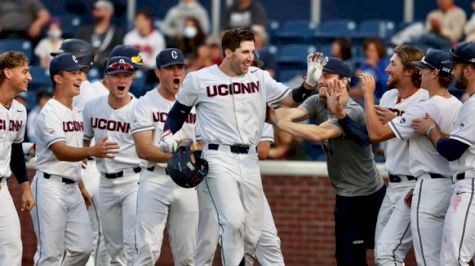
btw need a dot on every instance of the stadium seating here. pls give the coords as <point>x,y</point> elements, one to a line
<point>294,55</point>
<point>70,24</point>
<point>296,31</point>
<point>40,77</point>
<point>139,86</point>
<point>375,28</point>
<point>19,45</point>
<point>330,29</point>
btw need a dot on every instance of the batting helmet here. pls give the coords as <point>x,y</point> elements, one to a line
<point>185,168</point>
<point>83,51</point>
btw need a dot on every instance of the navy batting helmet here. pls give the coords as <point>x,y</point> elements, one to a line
<point>83,51</point>
<point>185,167</point>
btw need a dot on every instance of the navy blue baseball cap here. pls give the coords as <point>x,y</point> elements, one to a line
<point>168,57</point>
<point>65,62</point>
<point>436,59</point>
<point>463,53</point>
<point>119,64</point>
<point>337,66</point>
<point>128,51</point>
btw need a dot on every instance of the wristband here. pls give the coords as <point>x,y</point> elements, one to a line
<point>300,94</point>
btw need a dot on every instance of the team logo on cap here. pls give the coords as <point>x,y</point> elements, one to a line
<point>75,59</point>
<point>121,61</point>
<point>174,54</point>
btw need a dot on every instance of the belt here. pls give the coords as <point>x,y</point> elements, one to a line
<point>90,158</point>
<point>121,173</point>
<point>152,168</point>
<point>433,175</point>
<point>463,175</point>
<point>400,178</point>
<point>3,178</point>
<point>63,179</point>
<point>238,149</point>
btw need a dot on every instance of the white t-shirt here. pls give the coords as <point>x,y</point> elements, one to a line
<point>54,123</point>
<point>149,45</point>
<point>423,157</point>
<point>12,130</point>
<point>231,110</point>
<point>150,113</point>
<point>464,131</point>
<point>101,121</point>
<point>45,47</point>
<point>397,151</point>
<point>89,91</point>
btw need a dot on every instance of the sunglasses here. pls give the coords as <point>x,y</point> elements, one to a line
<point>120,66</point>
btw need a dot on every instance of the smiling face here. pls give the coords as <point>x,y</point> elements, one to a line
<point>241,59</point>
<point>70,82</point>
<point>329,80</point>
<point>395,71</point>
<point>119,84</point>
<point>171,78</point>
<point>20,78</point>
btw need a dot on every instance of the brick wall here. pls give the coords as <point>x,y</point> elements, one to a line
<point>303,212</point>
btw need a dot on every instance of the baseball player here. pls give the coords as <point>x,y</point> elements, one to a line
<point>231,101</point>
<point>359,187</point>
<point>458,245</point>
<point>160,201</point>
<point>431,193</point>
<point>268,251</point>
<point>84,53</point>
<point>107,117</point>
<point>60,219</point>
<point>15,76</point>
<point>393,235</point>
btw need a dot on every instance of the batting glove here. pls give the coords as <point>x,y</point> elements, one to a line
<point>167,142</point>
<point>315,64</point>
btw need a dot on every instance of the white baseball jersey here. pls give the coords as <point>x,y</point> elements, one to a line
<point>88,92</point>
<point>150,113</point>
<point>397,151</point>
<point>423,157</point>
<point>149,45</point>
<point>267,133</point>
<point>464,131</point>
<point>12,130</point>
<point>231,109</point>
<point>101,121</point>
<point>56,122</point>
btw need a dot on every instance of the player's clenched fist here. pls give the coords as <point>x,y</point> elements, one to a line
<point>167,142</point>
<point>105,149</point>
<point>368,85</point>
<point>315,64</point>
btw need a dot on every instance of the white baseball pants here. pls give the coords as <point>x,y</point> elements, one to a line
<point>61,223</point>
<point>161,202</point>
<point>10,233</point>
<point>393,237</point>
<point>430,201</point>
<point>235,194</point>
<point>458,242</point>
<point>118,212</point>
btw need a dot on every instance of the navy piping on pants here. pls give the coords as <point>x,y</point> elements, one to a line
<point>465,221</point>
<point>219,222</point>
<point>417,222</point>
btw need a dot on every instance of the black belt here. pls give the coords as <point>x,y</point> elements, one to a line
<point>239,149</point>
<point>64,179</point>
<point>397,179</point>
<point>433,175</point>
<point>121,173</point>
<point>90,158</point>
<point>152,168</point>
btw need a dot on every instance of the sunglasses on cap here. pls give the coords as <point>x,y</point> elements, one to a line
<point>120,66</point>
<point>136,59</point>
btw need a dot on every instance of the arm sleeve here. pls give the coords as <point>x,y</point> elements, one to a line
<point>464,126</point>
<point>451,149</point>
<point>274,91</point>
<point>86,117</point>
<point>17,163</point>
<point>188,93</point>
<point>176,117</point>
<point>20,136</point>
<point>401,125</point>
<point>267,133</point>
<point>354,130</point>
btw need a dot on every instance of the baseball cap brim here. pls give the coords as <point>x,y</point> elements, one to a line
<point>421,64</point>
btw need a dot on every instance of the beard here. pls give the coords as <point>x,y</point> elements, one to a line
<point>392,83</point>
<point>461,83</point>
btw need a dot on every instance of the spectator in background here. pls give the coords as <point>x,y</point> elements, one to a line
<point>50,44</point>
<point>22,19</point>
<point>173,24</point>
<point>216,53</point>
<point>42,96</point>
<point>244,13</point>
<point>193,37</point>
<point>208,54</point>
<point>469,28</point>
<point>374,64</point>
<point>444,25</point>
<point>145,38</point>
<point>102,35</point>
<point>263,54</point>
<point>341,49</point>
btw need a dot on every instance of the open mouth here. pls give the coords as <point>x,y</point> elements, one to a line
<point>121,88</point>
<point>176,81</point>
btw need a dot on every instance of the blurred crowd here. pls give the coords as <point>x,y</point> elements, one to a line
<point>187,26</point>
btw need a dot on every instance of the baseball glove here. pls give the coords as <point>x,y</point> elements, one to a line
<point>186,167</point>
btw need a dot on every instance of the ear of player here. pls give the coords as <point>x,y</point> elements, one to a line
<point>186,167</point>
<point>315,64</point>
